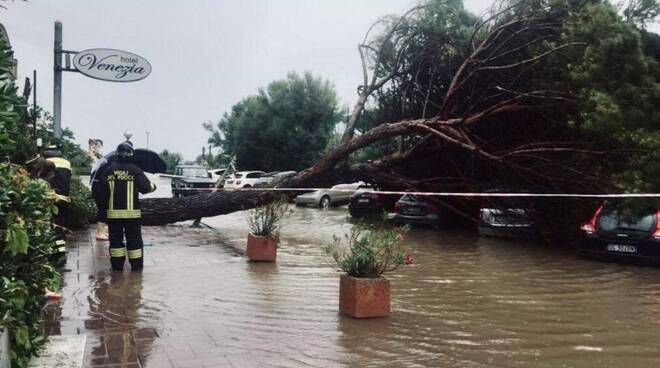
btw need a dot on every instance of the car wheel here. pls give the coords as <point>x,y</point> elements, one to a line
<point>325,202</point>
<point>247,186</point>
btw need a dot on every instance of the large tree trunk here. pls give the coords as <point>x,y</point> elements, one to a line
<point>161,211</point>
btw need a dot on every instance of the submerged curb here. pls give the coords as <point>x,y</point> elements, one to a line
<point>4,349</point>
<point>66,351</point>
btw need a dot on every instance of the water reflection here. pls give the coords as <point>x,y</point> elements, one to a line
<point>115,305</point>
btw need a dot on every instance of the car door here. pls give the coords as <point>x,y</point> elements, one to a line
<point>344,193</point>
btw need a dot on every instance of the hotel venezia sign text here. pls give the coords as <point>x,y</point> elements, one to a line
<point>112,65</point>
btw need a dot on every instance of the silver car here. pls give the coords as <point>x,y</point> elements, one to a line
<point>324,198</point>
<point>273,177</point>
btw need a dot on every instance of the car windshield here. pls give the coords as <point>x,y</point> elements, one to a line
<point>612,221</point>
<point>198,172</point>
<point>411,198</point>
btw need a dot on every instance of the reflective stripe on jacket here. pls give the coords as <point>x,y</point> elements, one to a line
<point>122,182</point>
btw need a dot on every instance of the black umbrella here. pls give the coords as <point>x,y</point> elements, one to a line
<point>146,160</point>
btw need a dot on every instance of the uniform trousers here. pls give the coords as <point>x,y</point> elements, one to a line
<point>116,231</point>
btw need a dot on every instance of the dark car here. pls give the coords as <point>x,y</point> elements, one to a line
<point>506,217</point>
<point>365,203</point>
<point>191,180</point>
<point>413,209</point>
<point>634,238</point>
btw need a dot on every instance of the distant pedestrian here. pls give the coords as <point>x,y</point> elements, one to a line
<point>60,181</point>
<point>121,182</point>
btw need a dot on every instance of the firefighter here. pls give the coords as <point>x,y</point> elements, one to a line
<point>121,182</point>
<point>60,182</point>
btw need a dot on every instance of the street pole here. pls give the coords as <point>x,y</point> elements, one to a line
<point>147,140</point>
<point>35,113</point>
<point>57,82</point>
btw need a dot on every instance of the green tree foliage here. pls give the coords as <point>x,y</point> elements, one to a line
<point>595,72</point>
<point>81,207</point>
<point>618,88</point>
<point>172,159</point>
<point>71,150</point>
<point>15,143</point>
<point>640,12</point>
<point>286,126</point>
<point>26,207</point>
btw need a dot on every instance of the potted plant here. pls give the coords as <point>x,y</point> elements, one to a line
<point>264,225</point>
<point>364,255</point>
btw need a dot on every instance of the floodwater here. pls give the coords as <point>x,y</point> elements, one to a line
<point>467,301</point>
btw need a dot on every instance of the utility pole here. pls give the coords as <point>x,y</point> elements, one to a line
<point>57,81</point>
<point>35,113</point>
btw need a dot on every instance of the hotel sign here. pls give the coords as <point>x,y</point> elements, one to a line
<point>111,65</point>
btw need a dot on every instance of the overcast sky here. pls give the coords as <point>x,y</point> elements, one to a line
<point>206,56</point>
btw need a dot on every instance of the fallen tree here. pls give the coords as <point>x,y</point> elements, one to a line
<point>528,97</point>
<point>160,211</point>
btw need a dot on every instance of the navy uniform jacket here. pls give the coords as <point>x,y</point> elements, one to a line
<point>121,182</point>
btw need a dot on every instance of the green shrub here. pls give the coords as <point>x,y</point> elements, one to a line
<point>369,252</point>
<point>264,220</point>
<point>26,207</point>
<point>82,209</point>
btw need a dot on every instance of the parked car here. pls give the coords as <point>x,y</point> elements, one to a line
<point>273,177</point>
<point>243,179</point>
<point>413,209</point>
<point>506,217</point>
<point>216,173</point>
<point>335,196</point>
<point>365,203</point>
<point>635,238</point>
<point>190,180</point>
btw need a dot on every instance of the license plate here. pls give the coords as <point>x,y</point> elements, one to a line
<point>622,248</point>
<point>363,200</point>
<point>413,210</point>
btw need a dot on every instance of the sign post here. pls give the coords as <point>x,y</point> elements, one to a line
<point>103,64</point>
<point>57,82</point>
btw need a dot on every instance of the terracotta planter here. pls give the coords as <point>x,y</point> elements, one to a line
<point>363,297</point>
<point>261,248</point>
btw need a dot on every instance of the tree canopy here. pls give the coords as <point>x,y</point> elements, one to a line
<point>172,160</point>
<point>544,95</point>
<point>286,126</point>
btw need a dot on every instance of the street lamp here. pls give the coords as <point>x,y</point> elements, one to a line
<point>128,135</point>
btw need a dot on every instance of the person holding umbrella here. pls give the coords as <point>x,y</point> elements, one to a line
<point>120,183</point>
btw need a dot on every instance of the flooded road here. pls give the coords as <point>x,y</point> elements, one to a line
<point>466,302</point>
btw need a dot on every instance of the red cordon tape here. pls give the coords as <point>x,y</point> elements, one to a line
<point>440,194</point>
